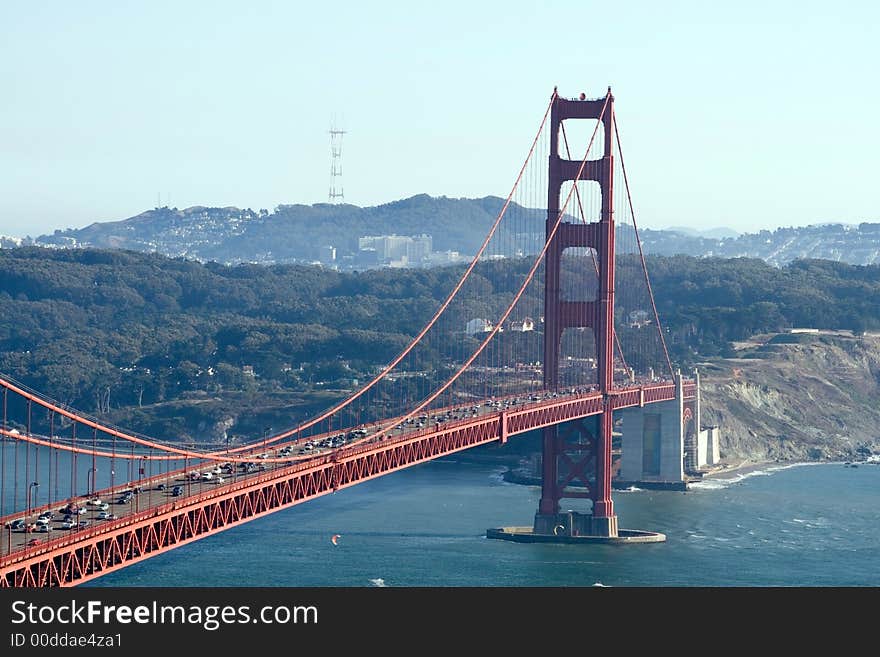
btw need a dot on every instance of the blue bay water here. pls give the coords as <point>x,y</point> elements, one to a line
<point>811,525</point>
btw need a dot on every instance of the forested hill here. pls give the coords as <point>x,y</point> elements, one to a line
<point>296,233</point>
<point>150,329</point>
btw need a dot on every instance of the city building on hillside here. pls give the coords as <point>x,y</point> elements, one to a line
<point>439,258</point>
<point>399,250</point>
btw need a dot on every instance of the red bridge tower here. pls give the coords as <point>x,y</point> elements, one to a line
<point>594,467</point>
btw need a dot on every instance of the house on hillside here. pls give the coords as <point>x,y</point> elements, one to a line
<point>528,324</point>
<point>639,318</point>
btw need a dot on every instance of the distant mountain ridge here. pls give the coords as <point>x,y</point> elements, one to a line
<point>295,233</point>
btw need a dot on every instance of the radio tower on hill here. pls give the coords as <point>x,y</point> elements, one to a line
<point>336,164</point>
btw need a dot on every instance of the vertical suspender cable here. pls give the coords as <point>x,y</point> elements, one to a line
<point>641,253</point>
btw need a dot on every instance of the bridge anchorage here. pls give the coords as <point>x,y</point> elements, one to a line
<point>583,446</point>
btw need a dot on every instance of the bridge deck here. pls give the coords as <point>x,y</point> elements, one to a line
<point>155,521</point>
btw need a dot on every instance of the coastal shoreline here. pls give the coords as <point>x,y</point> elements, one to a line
<point>746,466</point>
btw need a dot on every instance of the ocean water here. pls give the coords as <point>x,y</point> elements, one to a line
<point>808,525</point>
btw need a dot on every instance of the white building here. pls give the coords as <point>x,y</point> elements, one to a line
<point>639,318</point>
<point>419,248</point>
<point>528,324</point>
<point>478,325</point>
<point>399,250</point>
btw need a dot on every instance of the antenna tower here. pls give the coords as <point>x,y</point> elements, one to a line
<point>336,191</point>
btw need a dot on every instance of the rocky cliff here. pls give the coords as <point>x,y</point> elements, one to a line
<point>814,399</point>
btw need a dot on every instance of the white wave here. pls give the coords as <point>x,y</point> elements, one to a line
<point>716,483</point>
<point>709,484</point>
<point>378,582</point>
<point>497,476</point>
<point>600,584</point>
<point>630,489</point>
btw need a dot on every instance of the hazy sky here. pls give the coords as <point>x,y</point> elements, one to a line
<point>751,115</point>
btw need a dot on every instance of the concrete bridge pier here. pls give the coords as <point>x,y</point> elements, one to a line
<point>653,443</point>
<point>664,444</point>
<point>572,523</point>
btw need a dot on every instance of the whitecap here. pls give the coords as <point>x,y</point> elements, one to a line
<point>378,582</point>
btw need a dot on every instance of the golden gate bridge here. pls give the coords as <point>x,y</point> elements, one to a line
<point>552,327</point>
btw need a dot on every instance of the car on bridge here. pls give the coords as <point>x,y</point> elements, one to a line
<point>16,525</point>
